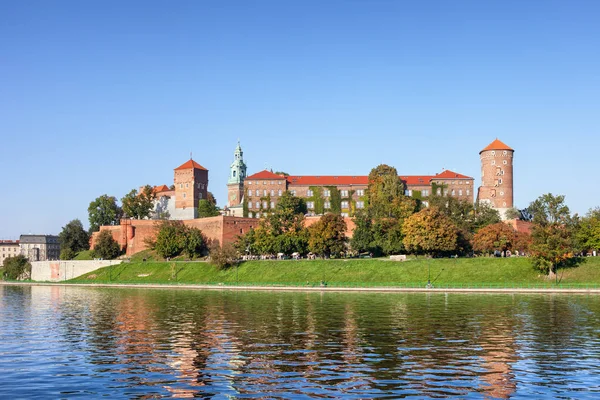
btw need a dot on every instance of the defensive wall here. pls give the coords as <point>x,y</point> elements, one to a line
<point>133,234</point>
<point>56,271</point>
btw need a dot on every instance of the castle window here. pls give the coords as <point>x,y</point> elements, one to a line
<point>344,204</point>
<point>186,185</point>
<point>504,162</point>
<point>279,192</point>
<point>257,204</point>
<point>272,192</point>
<point>501,193</point>
<point>453,192</point>
<point>265,192</point>
<point>500,181</point>
<point>249,182</point>
<point>344,215</point>
<point>326,193</point>
<point>249,192</point>
<point>467,182</point>
<point>426,203</point>
<point>445,192</point>
<point>493,153</point>
<point>327,205</point>
<point>360,204</point>
<point>439,191</point>
<point>257,192</point>
<point>181,186</point>
<point>460,192</point>
<point>184,195</point>
<point>468,192</point>
<point>425,192</point>
<point>360,192</point>
<point>309,193</point>
<point>504,152</point>
<point>264,204</point>
<point>200,195</point>
<point>493,162</point>
<point>272,204</point>
<point>264,182</point>
<point>234,173</point>
<point>310,205</point>
<point>344,193</point>
<point>408,192</point>
<point>293,192</point>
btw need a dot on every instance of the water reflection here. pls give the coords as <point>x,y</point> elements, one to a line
<point>58,341</point>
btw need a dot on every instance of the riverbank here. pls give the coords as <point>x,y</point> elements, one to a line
<point>465,273</point>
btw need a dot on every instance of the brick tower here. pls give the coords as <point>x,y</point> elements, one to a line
<point>497,177</point>
<point>237,174</point>
<point>191,186</point>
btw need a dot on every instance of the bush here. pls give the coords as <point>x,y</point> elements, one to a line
<point>223,257</point>
<point>106,247</point>
<point>17,267</point>
<point>67,254</point>
<point>175,238</point>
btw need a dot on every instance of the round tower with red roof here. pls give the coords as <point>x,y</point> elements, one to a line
<point>497,177</point>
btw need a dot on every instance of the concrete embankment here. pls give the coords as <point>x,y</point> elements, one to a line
<point>56,271</point>
<point>310,288</point>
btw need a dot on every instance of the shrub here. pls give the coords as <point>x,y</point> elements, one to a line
<point>106,247</point>
<point>223,257</point>
<point>17,267</point>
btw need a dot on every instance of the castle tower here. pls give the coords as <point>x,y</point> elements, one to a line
<point>237,174</point>
<point>191,186</point>
<point>497,177</point>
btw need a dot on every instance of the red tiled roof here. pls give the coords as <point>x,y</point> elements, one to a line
<point>265,175</point>
<point>416,179</point>
<point>447,174</point>
<point>161,188</point>
<point>190,164</point>
<point>496,145</point>
<point>329,180</point>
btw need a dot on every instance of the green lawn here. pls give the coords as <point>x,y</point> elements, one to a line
<point>364,272</point>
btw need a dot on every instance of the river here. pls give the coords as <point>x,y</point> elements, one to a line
<point>64,342</point>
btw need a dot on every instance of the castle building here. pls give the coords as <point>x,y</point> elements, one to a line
<point>190,185</point>
<point>40,247</point>
<point>497,177</point>
<point>235,183</point>
<point>8,248</point>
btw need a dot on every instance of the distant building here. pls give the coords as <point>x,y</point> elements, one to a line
<point>235,184</point>
<point>181,202</point>
<point>40,247</point>
<point>8,248</point>
<point>497,177</point>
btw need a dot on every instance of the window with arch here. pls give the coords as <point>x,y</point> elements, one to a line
<point>504,152</point>
<point>493,153</point>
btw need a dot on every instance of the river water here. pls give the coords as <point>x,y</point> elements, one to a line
<point>64,342</point>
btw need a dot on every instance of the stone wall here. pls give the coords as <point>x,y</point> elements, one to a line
<point>56,271</point>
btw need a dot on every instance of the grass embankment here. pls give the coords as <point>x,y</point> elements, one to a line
<point>471,272</point>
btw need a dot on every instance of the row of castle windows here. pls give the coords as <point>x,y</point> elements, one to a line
<point>187,185</point>
<point>503,153</point>
<point>454,182</point>
<point>503,162</point>
<point>327,205</point>
<point>265,183</point>
<point>460,192</point>
<point>327,193</point>
<point>279,192</point>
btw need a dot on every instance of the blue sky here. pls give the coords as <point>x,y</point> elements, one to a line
<point>105,96</point>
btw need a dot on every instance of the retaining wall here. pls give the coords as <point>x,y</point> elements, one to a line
<point>56,271</point>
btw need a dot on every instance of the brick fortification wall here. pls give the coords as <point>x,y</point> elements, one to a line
<point>132,235</point>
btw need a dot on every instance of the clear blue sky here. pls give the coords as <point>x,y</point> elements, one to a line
<point>105,96</point>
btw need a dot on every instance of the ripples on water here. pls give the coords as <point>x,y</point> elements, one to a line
<point>136,343</point>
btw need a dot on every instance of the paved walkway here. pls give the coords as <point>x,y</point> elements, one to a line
<point>305,288</point>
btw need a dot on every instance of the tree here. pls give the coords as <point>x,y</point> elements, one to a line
<point>429,231</point>
<point>195,242</point>
<point>362,237</point>
<point>207,209</point>
<point>73,238</point>
<point>17,267</point>
<point>223,257</point>
<point>588,232</point>
<point>384,189</point>
<point>464,214</point>
<point>328,235</point>
<point>171,239</point>
<point>104,211</point>
<point>387,236</point>
<point>493,237</point>
<point>512,213</point>
<point>552,233</point>
<point>211,199</point>
<point>106,247</point>
<point>139,205</point>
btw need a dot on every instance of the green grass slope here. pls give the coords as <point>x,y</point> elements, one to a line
<point>472,272</point>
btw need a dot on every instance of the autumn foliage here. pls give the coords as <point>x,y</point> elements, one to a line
<point>429,232</point>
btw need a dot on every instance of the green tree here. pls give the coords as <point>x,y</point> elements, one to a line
<point>106,247</point>
<point>362,237</point>
<point>139,205</point>
<point>211,199</point>
<point>385,187</point>
<point>104,211</point>
<point>171,239</point>
<point>553,242</point>
<point>73,238</point>
<point>430,232</point>
<point>17,267</point>
<point>328,235</point>
<point>195,243</point>
<point>207,209</point>
<point>588,232</point>
<point>388,236</point>
<point>67,254</point>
